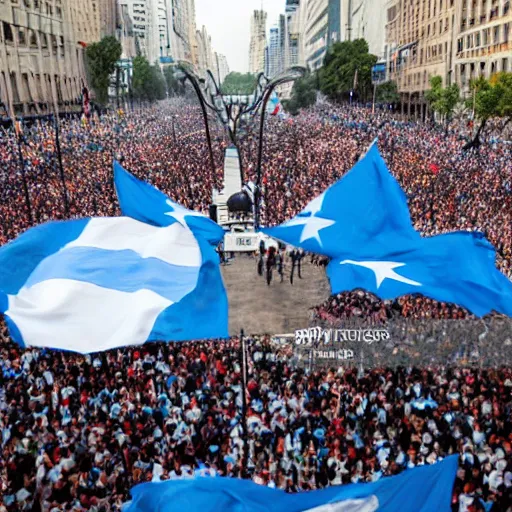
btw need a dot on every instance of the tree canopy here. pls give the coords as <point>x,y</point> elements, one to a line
<point>239,83</point>
<point>303,94</point>
<point>348,67</point>
<point>490,98</point>
<point>175,87</point>
<point>443,100</point>
<point>387,93</point>
<point>101,62</point>
<point>148,81</point>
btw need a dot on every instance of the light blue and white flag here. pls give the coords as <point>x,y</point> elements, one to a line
<point>423,489</point>
<point>143,202</point>
<point>95,284</point>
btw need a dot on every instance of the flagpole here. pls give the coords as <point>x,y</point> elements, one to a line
<point>243,372</point>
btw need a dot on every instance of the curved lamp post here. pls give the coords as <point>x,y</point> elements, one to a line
<point>231,111</point>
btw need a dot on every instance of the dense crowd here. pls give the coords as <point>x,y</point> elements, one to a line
<point>78,432</point>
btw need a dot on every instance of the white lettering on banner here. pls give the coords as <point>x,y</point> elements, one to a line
<point>316,335</point>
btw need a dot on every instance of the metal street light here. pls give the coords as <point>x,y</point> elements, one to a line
<point>231,111</point>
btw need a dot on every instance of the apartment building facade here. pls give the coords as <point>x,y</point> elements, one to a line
<point>483,44</point>
<point>420,37</point>
<point>42,46</point>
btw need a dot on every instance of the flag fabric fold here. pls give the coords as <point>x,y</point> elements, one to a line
<point>422,489</point>
<point>96,284</point>
<point>363,224</point>
<point>458,268</point>
<point>366,209</point>
<point>141,201</point>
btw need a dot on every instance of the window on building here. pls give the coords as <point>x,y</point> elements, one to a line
<point>33,39</point>
<point>460,45</point>
<point>9,37</point>
<point>44,40</point>
<point>22,41</point>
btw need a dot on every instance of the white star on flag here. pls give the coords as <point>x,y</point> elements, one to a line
<point>312,224</point>
<point>383,270</point>
<point>179,213</point>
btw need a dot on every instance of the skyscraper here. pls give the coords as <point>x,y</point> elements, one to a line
<point>258,41</point>
<point>274,53</point>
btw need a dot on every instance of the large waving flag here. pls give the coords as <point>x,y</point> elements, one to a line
<point>366,209</point>
<point>456,267</point>
<point>362,222</point>
<point>423,489</point>
<point>141,201</point>
<point>95,284</point>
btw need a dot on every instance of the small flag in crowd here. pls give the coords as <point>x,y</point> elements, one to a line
<point>95,284</point>
<point>425,489</point>
<point>274,104</point>
<point>362,222</point>
<point>143,202</point>
<point>434,168</point>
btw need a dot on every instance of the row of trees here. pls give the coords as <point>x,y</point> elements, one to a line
<point>148,83</point>
<point>490,98</point>
<point>239,84</point>
<point>346,74</point>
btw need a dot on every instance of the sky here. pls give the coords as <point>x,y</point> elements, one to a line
<point>229,24</point>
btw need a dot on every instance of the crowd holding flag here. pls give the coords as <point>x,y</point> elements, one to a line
<point>423,489</point>
<point>363,224</point>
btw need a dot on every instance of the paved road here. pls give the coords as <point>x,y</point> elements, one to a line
<point>276,309</point>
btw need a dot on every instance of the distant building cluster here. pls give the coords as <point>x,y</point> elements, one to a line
<point>413,41</point>
<point>43,46</point>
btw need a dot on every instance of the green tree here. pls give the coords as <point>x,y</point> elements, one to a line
<point>443,100</point>
<point>147,81</point>
<point>303,94</point>
<point>174,86</point>
<point>239,83</point>
<point>101,62</point>
<point>387,93</point>
<point>348,67</point>
<point>490,98</point>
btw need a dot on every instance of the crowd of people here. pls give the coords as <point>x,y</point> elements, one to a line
<point>78,432</point>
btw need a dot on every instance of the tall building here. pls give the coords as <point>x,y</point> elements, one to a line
<point>204,52</point>
<point>108,11</point>
<point>367,20</point>
<point>420,36</point>
<point>183,24</point>
<point>143,15</point>
<point>291,57</point>
<point>258,42</point>
<point>274,54</point>
<point>483,44</point>
<point>192,32</point>
<point>42,53</point>
<point>221,67</point>
<point>323,26</point>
